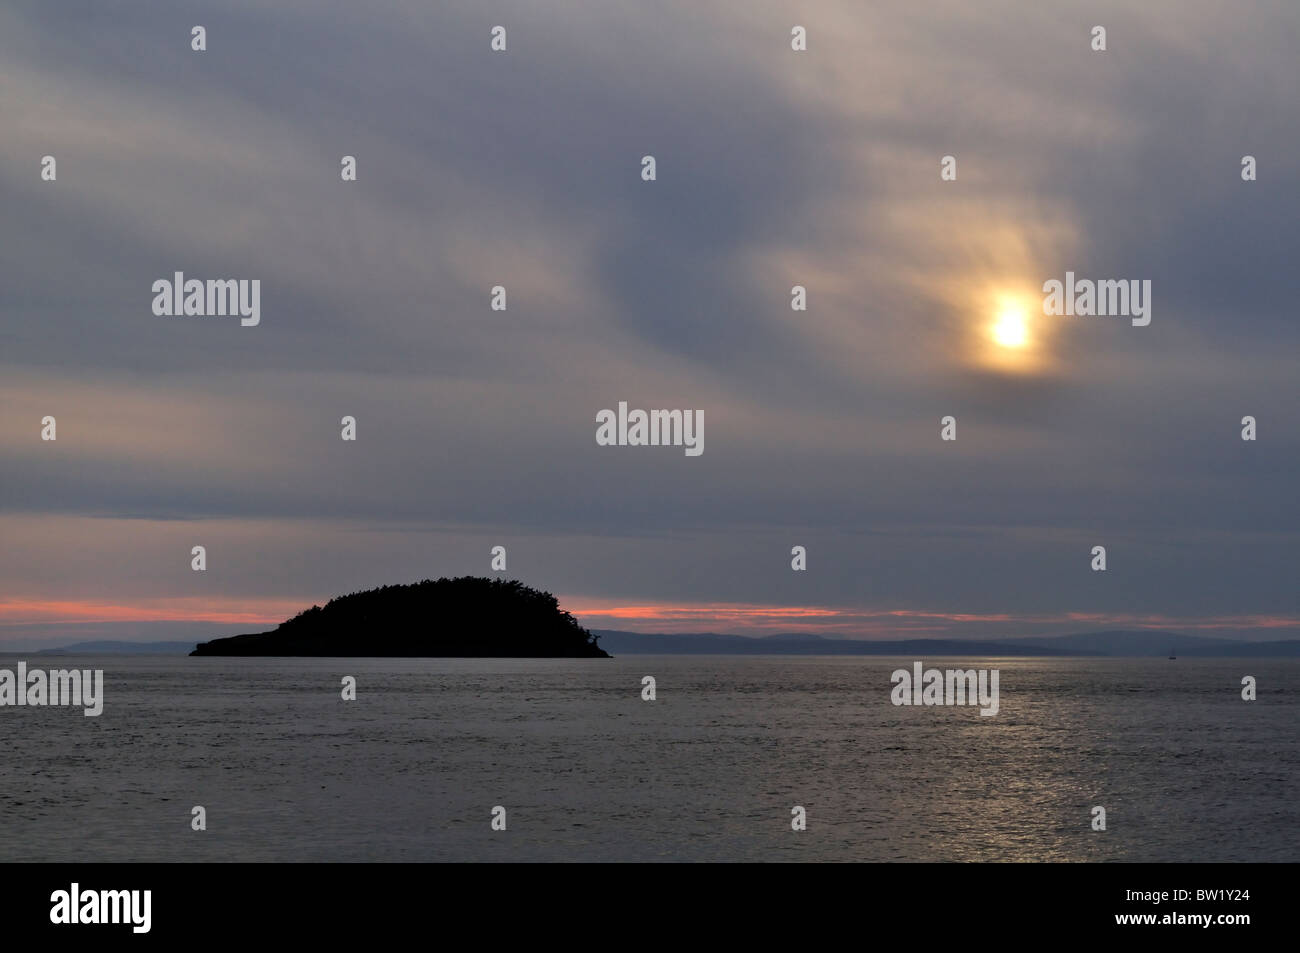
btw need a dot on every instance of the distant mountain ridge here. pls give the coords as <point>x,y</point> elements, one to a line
<point>1151,643</point>
<point>118,647</point>
<point>1140,643</point>
<point>1106,644</point>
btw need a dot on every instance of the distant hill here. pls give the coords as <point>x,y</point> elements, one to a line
<point>109,647</point>
<point>466,617</point>
<point>114,638</point>
<point>1110,644</point>
<point>803,643</point>
<point>1146,643</point>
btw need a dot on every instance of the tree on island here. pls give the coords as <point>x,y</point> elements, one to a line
<point>466,617</point>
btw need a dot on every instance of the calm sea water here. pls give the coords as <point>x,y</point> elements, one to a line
<point>586,770</point>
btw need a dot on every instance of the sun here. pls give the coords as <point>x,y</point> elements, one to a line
<point>1003,334</point>
<point>1011,330</point>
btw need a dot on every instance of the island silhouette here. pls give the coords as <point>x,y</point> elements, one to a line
<point>465,617</point>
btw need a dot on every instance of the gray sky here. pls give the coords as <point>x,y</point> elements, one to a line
<point>476,427</point>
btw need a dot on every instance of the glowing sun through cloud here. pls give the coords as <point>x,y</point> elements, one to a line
<point>1011,328</point>
<point>1007,338</point>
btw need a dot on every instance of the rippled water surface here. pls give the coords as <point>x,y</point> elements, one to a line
<point>586,770</point>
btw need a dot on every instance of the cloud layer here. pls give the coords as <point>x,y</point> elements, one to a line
<point>775,168</point>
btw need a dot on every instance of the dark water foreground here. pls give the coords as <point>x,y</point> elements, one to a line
<point>586,770</point>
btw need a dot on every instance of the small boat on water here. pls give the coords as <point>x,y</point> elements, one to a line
<point>1172,656</point>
